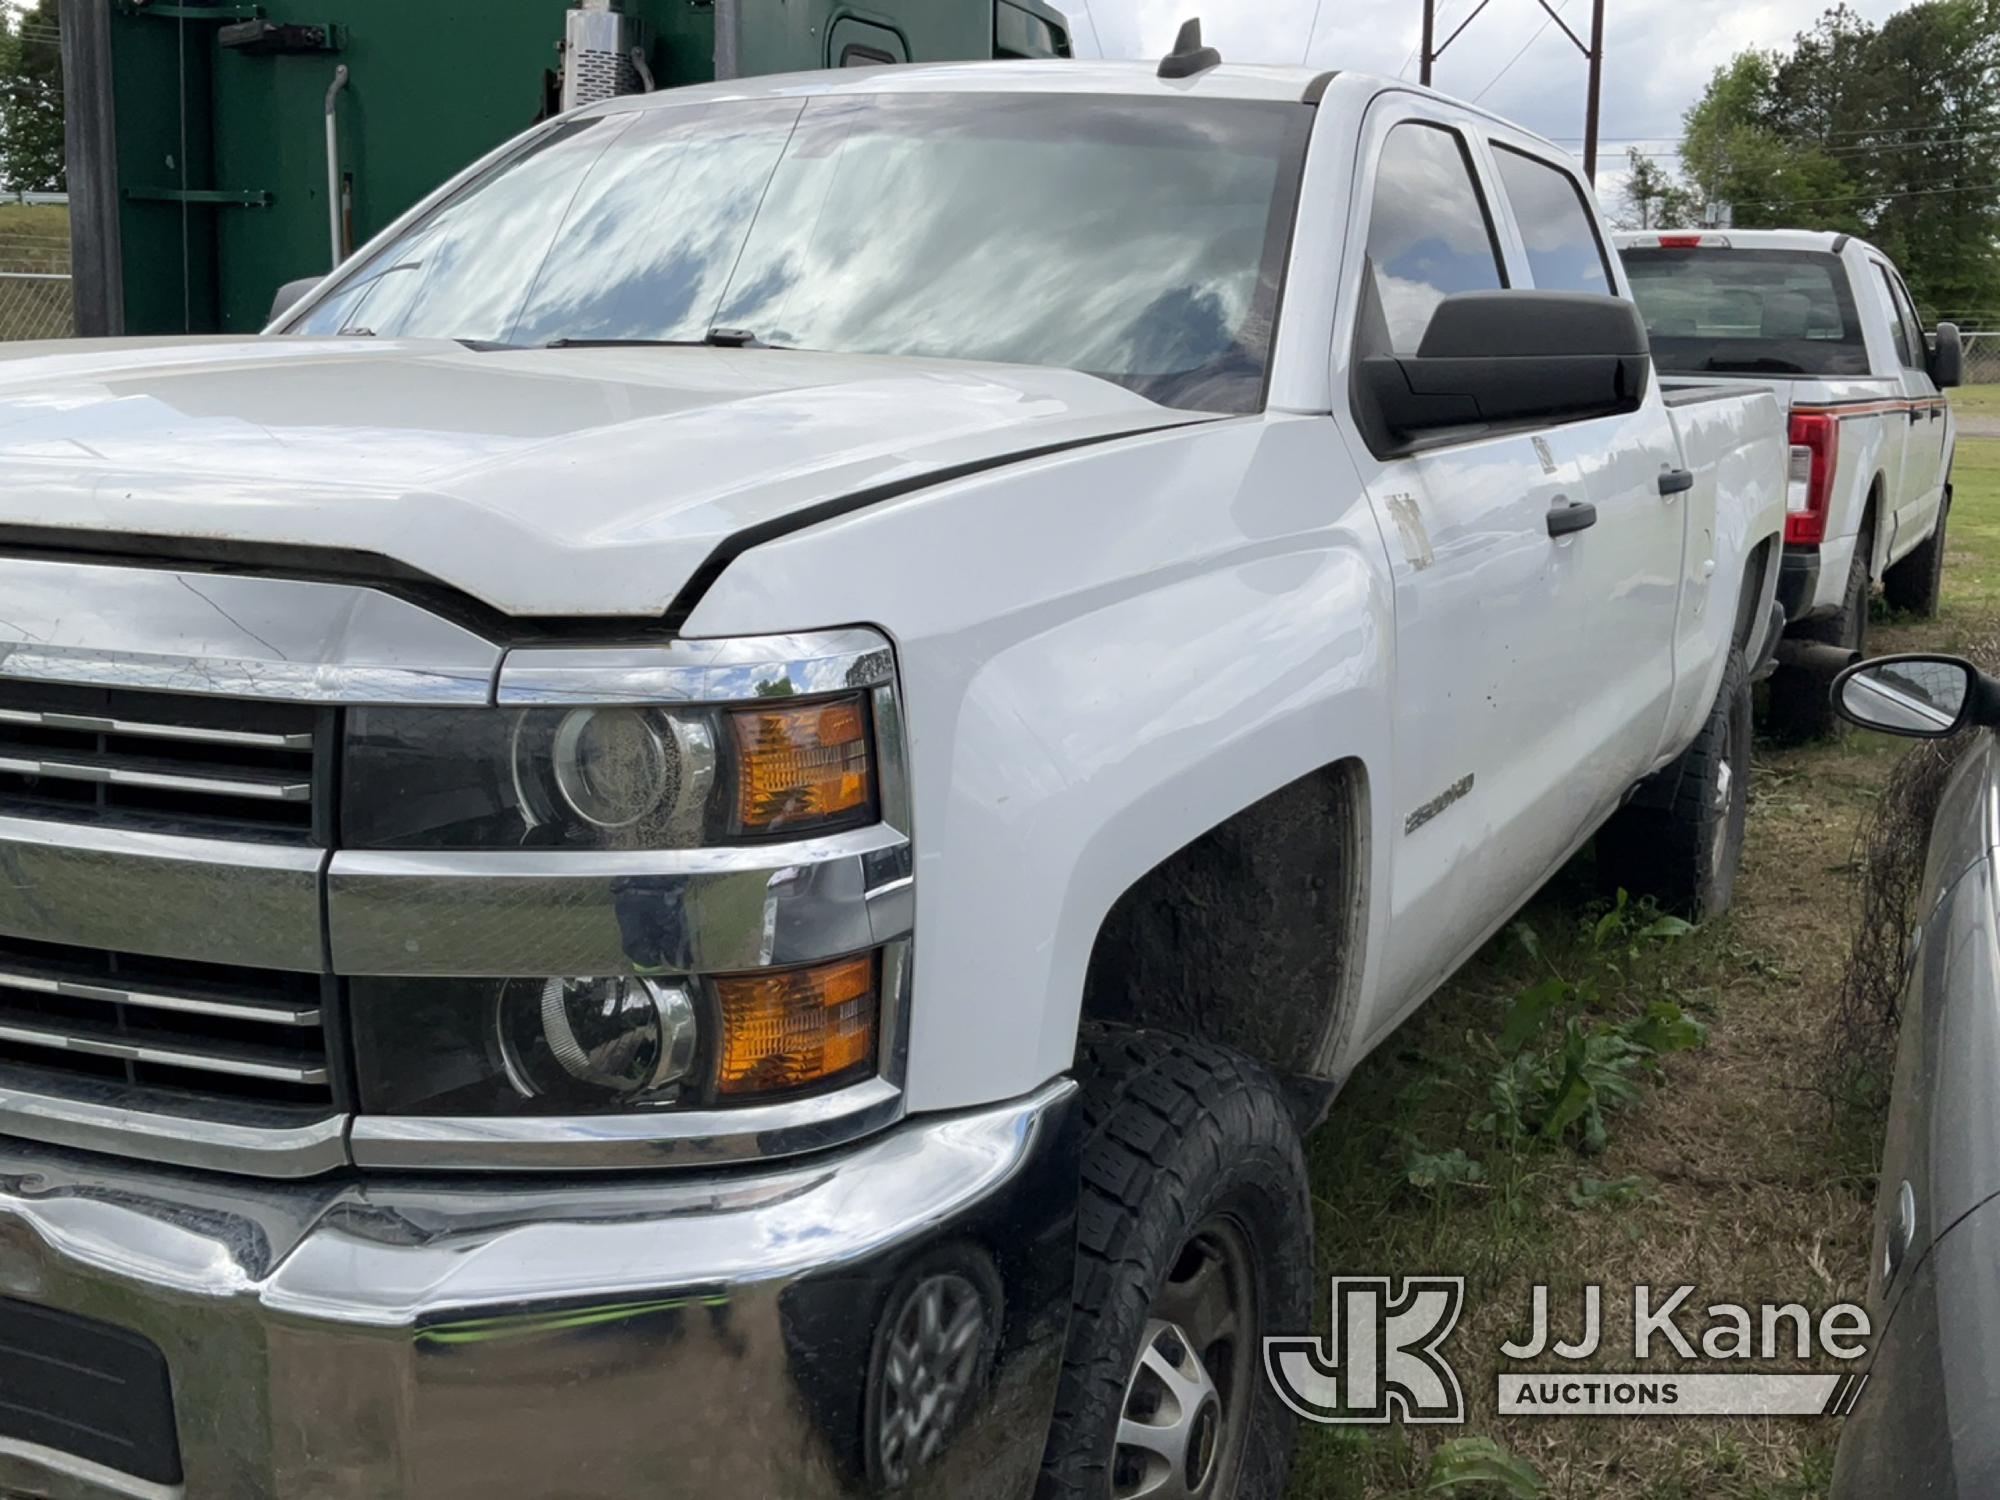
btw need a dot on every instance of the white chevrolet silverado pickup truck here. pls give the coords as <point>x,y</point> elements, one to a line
<point>710,828</point>
<point>1826,322</point>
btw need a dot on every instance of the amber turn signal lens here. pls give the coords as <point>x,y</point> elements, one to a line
<point>796,1027</point>
<point>801,765</point>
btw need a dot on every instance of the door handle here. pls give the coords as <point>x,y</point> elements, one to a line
<point>1673,481</point>
<point>1936,412</point>
<point>1917,415</point>
<point>1565,517</point>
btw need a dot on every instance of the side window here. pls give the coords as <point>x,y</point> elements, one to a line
<point>1913,326</point>
<point>1902,328</point>
<point>1564,251</point>
<point>1429,236</point>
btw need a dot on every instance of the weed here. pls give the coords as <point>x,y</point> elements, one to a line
<point>1478,1466</point>
<point>1560,1063</point>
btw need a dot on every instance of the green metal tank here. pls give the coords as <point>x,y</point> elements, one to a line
<point>199,136</point>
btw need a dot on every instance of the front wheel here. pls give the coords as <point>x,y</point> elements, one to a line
<point>1680,838</point>
<point>1194,1241</point>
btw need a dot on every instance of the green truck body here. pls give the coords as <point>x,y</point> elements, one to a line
<point>198,135</point>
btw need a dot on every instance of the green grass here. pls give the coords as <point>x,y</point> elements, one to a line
<point>34,237</point>
<point>1741,1177</point>
<point>1977,400</point>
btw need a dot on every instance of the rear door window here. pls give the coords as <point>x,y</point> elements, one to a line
<point>1899,329</point>
<point>1429,235</point>
<point>1564,252</point>
<point>1712,309</point>
<point>1913,327</point>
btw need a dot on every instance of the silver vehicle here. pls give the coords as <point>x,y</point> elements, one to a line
<point>1924,1424</point>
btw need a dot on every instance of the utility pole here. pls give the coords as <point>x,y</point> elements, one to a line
<point>1596,87</point>
<point>1594,52</point>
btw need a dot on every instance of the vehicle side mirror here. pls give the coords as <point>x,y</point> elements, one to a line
<point>1495,359</point>
<point>1947,357</point>
<point>290,295</point>
<point>1924,697</point>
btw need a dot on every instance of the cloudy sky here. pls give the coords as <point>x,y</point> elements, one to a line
<point>1658,54</point>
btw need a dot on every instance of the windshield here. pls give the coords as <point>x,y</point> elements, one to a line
<point>1141,240</point>
<point>1751,312</point>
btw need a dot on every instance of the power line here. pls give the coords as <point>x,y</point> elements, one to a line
<point>1668,137</point>
<point>1845,153</point>
<point>1933,192</point>
<point>1522,53</point>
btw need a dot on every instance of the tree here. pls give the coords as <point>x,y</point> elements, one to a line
<point>1765,176</point>
<point>1892,132</point>
<point>1652,199</point>
<point>31,101</point>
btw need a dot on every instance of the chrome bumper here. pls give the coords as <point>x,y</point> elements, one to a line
<point>715,1335</point>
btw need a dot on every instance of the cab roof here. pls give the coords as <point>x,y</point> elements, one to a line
<point>1296,85</point>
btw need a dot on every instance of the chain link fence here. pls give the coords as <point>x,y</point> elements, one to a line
<point>36,305</point>
<point>1982,357</point>
<point>36,300</point>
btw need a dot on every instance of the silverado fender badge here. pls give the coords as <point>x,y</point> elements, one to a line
<point>1437,804</point>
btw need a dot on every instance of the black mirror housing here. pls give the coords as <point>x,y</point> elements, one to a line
<point>1499,359</point>
<point>1947,357</point>
<point>290,295</point>
<point>1919,695</point>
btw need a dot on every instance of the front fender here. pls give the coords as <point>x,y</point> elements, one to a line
<point>1103,655</point>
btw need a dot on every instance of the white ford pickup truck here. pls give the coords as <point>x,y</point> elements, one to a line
<point>1826,322</point>
<point>711,827</point>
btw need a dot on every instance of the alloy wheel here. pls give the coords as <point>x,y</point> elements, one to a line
<point>1181,1430</point>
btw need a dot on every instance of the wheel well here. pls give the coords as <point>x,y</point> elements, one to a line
<point>1871,512</point>
<point>1755,575</point>
<point>1250,934</point>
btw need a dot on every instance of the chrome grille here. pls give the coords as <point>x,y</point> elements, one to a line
<point>201,1032</point>
<point>188,763</point>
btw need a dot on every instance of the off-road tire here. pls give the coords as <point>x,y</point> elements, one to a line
<point>1177,1131</point>
<point>1680,838</point>
<point>1800,706</point>
<point>1914,584</point>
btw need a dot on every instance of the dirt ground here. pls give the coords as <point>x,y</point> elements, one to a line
<point>1735,1171</point>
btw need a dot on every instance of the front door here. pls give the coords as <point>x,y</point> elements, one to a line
<point>1914,494</point>
<point>1492,612</point>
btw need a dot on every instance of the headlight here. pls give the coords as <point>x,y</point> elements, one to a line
<point>608,777</point>
<point>474,1047</point>
<point>629,1038</point>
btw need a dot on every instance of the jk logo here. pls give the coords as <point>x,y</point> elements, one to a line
<point>1384,1359</point>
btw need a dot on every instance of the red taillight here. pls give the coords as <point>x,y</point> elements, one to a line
<point>1680,241</point>
<point>1818,435</point>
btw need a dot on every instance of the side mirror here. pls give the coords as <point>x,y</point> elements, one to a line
<point>290,295</point>
<point>1493,359</point>
<point>1947,357</point>
<point>1924,697</point>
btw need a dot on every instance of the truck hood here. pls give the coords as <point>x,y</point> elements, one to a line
<point>550,482</point>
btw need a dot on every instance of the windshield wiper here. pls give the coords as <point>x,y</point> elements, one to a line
<point>716,338</point>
